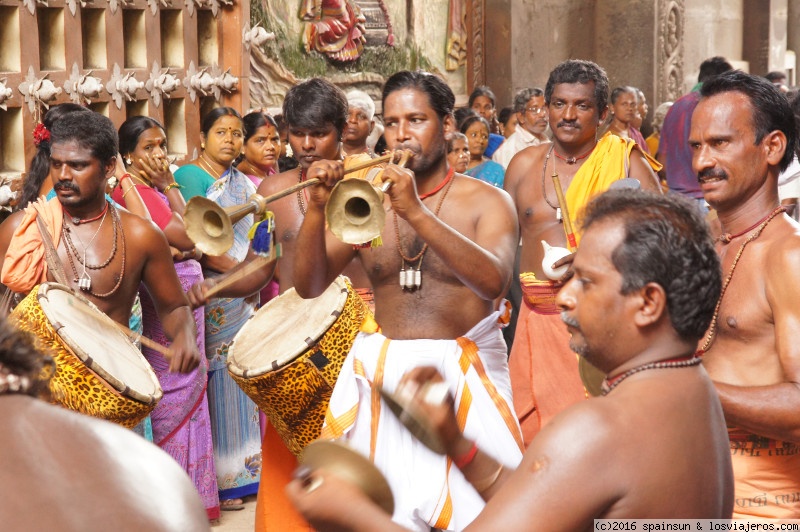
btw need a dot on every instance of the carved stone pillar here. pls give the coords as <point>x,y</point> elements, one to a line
<point>476,66</point>
<point>669,54</point>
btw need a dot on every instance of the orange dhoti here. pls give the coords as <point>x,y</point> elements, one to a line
<point>766,476</point>
<point>544,370</point>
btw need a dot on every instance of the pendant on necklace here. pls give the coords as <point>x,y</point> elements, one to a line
<point>558,214</point>
<point>85,282</point>
<point>403,277</point>
<point>570,160</point>
<point>418,277</point>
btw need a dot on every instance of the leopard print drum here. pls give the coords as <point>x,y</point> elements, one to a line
<point>99,372</point>
<point>288,355</point>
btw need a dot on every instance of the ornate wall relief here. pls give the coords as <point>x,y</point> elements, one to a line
<point>670,50</point>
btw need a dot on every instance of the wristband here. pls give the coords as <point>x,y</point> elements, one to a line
<point>126,192</point>
<point>171,186</point>
<point>466,459</point>
<point>126,174</point>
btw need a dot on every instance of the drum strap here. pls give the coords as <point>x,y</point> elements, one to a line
<point>51,256</point>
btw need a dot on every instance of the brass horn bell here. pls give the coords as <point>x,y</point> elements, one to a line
<point>210,226</point>
<point>354,211</point>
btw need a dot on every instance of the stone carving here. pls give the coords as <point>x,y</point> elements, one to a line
<point>5,93</point>
<point>82,87</point>
<point>209,81</point>
<point>377,24</point>
<point>269,80</point>
<point>670,50</point>
<point>155,4</point>
<point>255,36</point>
<point>191,5</point>
<point>476,74</point>
<point>160,83</point>
<point>217,5</point>
<point>116,4</point>
<point>38,91</point>
<point>73,5</point>
<point>31,5</point>
<point>456,48</point>
<point>123,87</point>
<point>334,28</point>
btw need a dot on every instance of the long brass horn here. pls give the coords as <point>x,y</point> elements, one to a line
<point>354,211</point>
<point>210,226</point>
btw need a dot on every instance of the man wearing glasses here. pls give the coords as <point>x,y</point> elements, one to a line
<point>531,125</point>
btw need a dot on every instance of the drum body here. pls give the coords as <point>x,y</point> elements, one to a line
<point>288,356</point>
<point>99,372</point>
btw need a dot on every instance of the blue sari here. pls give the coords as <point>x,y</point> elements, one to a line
<point>488,171</point>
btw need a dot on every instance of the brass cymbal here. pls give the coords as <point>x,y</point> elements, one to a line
<point>345,463</point>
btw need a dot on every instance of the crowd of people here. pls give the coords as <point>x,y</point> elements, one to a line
<point>695,413</point>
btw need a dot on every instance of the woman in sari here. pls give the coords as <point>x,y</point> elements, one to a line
<point>476,129</point>
<point>234,417</point>
<point>181,423</point>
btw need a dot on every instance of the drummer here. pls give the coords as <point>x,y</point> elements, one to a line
<point>316,114</point>
<point>451,239</point>
<point>655,446</point>
<point>104,253</point>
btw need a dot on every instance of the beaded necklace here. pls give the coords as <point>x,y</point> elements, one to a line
<point>84,281</point>
<point>301,193</point>
<point>712,329</point>
<point>573,160</point>
<point>680,362</point>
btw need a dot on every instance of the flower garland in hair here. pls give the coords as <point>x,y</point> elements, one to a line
<point>40,134</point>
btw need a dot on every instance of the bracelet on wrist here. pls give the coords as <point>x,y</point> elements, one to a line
<point>171,186</point>
<point>126,174</point>
<point>463,460</point>
<point>126,192</point>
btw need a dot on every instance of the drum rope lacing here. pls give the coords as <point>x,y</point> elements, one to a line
<point>72,250</point>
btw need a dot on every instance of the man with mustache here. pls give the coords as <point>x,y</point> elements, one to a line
<point>743,134</point>
<point>544,372</point>
<point>531,125</point>
<point>645,283</point>
<point>105,252</point>
<point>451,239</point>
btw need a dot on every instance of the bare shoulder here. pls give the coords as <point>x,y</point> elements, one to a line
<point>137,227</point>
<point>10,224</point>
<point>278,182</point>
<point>479,196</point>
<point>782,255</point>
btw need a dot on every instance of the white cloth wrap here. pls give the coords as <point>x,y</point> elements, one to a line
<point>418,476</point>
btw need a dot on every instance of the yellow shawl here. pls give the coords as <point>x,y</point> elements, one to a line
<point>609,162</point>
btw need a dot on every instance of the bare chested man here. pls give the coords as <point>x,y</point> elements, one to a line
<point>645,280</point>
<point>543,369</point>
<point>121,249</point>
<point>455,238</point>
<point>68,472</point>
<point>743,134</point>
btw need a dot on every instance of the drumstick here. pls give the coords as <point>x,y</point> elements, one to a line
<point>246,270</point>
<point>562,203</point>
<point>103,318</point>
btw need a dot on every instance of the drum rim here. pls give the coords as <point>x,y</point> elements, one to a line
<point>112,381</point>
<point>344,290</point>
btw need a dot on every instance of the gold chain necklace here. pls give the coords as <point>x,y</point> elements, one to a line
<point>208,167</point>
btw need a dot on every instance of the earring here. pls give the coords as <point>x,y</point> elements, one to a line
<point>202,145</point>
<point>128,161</point>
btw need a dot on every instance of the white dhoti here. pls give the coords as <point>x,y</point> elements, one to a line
<point>429,490</point>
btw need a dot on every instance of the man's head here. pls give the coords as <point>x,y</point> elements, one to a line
<point>576,95</point>
<point>316,113</point>
<point>531,110</point>
<point>776,77</point>
<point>646,267</point>
<point>713,67</point>
<point>22,366</point>
<point>360,118</point>
<point>743,131</point>
<point>417,115</point>
<point>83,155</point>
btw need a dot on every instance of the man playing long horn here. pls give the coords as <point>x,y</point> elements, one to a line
<point>447,255</point>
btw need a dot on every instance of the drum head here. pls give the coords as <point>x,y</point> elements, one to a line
<point>285,328</point>
<point>98,343</point>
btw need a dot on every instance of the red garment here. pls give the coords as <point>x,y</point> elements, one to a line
<point>543,369</point>
<point>155,201</point>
